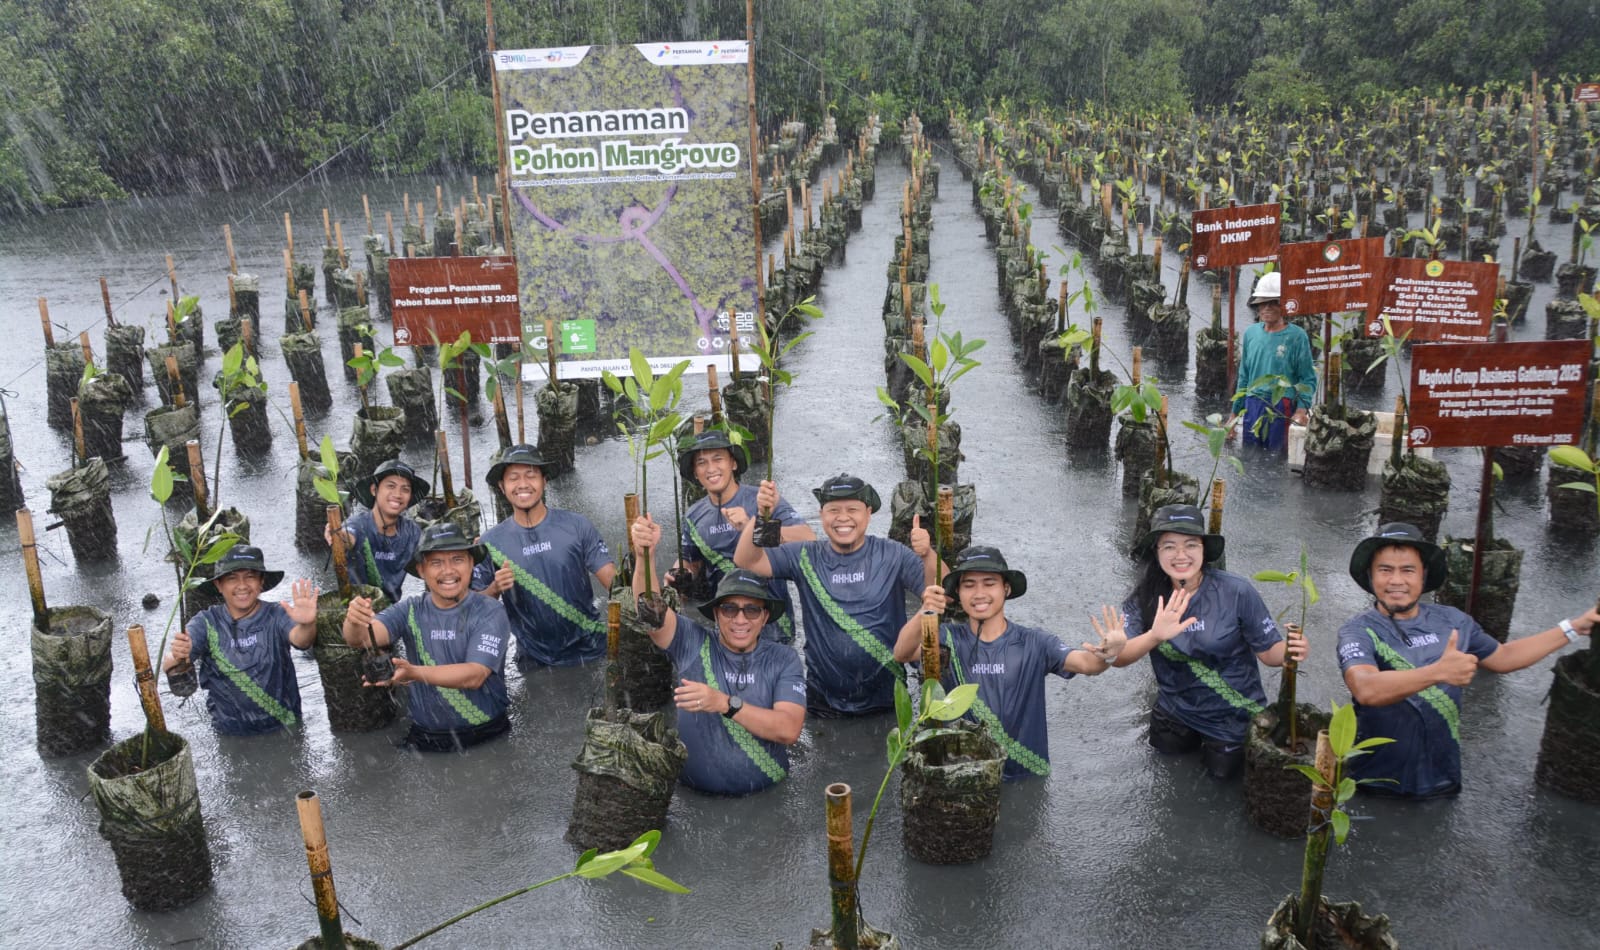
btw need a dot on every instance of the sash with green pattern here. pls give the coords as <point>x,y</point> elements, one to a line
<point>540,590</point>
<point>1433,695</point>
<point>741,736</point>
<point>1211,678</point>
<point>1016,751</point>
<point>458,700</point>
<point>249,687</point>
<point>863,638</point>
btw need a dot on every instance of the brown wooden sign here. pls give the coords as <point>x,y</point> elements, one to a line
<point>1438,301</point>
<point>445,296</point>
<point>1493,394</point>
<point>1231,237</point>
<point>1586,92</point>
<point>1332,276</point>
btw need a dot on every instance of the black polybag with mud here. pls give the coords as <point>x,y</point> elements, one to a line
<point>149,806</point>
<point>72,680</point>
<point>950,793</point>
<point>627,769</point>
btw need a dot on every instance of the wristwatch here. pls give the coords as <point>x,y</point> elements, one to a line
<point>1566,628</point>
<point>734,705</point>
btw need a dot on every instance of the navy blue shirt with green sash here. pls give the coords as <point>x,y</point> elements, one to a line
<point>727,761</point>
<point>851,672</point>
<point>1425,757</point>
<point>379,559</point>
<point>551,603</point>
<point>246,669</point>
<point>1010,672</point>
<point>709,539</point>
<point>473,631</point>
<point>1208,675</point>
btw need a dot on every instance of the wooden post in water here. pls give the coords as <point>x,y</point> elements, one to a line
<point>299,421</point>
<point>338,242</point>
<point>197,477</point>
<point>1094,351</point>
<point>77,432</point>
<point>144,678</point>
<point>30,566</point>
<point>327,230</point>
<point>613,650</point>
<point>341,558</point>
<point>466,425</point>
<point>366,209</point>
<point>715,394</point>
<point>442,448</point>
<point>176,382</point>
<point>105,301</point>
<point>1322,802</point>
<point>842,869</point>
<point>502,423</point>
<point>227,240</point>
<point>44,321</point>
<point>172,277</point>
<point>288,237</point>
<point>310,809</point>
<point>1162,447</point>
<point>1219,491</point>
<point>306,323</point>
<point>1137,374</point>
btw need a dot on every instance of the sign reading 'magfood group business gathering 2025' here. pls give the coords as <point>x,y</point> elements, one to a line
<point>630,200</point>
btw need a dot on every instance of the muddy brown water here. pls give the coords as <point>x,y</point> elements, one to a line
<point>1117,848</point>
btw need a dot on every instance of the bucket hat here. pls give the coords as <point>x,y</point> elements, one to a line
<point>367,496</point>
<point>710,439</point>
<point>743,583</point>
<point>244,557</point>
<point>444,536</point>
<point>1181,519</point>
<point>522,454</point>
<point>982,559</point>
<point>844,487</point>
<point>1406,535</point>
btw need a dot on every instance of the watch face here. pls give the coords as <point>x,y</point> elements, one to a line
<point>734,704</point>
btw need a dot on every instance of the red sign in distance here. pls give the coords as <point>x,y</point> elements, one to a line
<point>1493,394</point>
<point>1231,237</point>
<point>1438,301</point>
<point>1586,92</point>
<point>446,296</point>
<point>1332,276</point>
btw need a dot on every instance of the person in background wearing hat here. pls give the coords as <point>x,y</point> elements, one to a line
<point>854,588</point>
<point>454,644</point>
<point>712,524</point>
<point>1405,663</point>
<point>1204,629</point>
<point>741,702</point>
<point>1007,660</point>
<point>382,538</point>
<point>241,646</point>
<point>1280,350</point>
<point>539,563</point>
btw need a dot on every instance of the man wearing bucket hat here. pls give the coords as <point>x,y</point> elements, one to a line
<point>741,698</point>
<point>241,646</point>
<point>382,538</point>
<point>712,524</point>
<point>1007,660</point>
<point>1204,630</point>
<point>454,644</point>
<point>1273,351</point>
<point>539,565</point>
<point>1406,662</point>
<point>854,588</point>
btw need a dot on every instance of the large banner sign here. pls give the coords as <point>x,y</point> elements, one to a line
<point>630,200</point>
<point>1493,394</point>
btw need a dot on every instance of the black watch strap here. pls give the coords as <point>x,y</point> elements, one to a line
<point>734,705</point>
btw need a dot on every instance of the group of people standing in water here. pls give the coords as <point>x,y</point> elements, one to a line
<point>743,693</point>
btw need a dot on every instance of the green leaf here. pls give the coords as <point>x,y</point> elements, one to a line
<point>887,400</point>
<point>1346,790</point>
<point>923,373</point>
<point>641,368</point>
<point>612,382</point>
<point>1215,440</point>
<point>1311,591</point>
<point>1276,577</point>
<point>1307,771</point>
<point>161,478</point>
<point>939,356</point>
<point>903,713</point>
<point>655,879</point>
<point>330,458</point>
<point>958,701</point>
<point>651,840</point>
<point>218,549</point>
<point>1341,825</point>
<point>328,489</point>
<point>603,864</point>
<point>587,856</point>
<point>1375,741</point>
<point>893,746</point>
<point>232,360</point>
<point>1342,729</point>
<point>1572,457</point>
<point>1577,486</point>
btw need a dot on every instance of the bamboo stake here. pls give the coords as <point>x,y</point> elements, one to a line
<point>197,478</point>
<point>44,321</point>
<point>366,209</point>
<point>248,335</point>
<point>1322,802</point>
<point>88,354</point>
<point>172,277</point>
<point>105,300</point>
<point>1162,448</point>
<point>931,669</point>
<point>613,650</point>
<point>288,271</point>
<point>77,432</point>
<point>1286,692</point>
<point>841,868</point>
<point>715,394</point>
<point>442,447</point>
<point>327,231</point>
<point>1061,310</point>
<point>310,810</point>
<point>388,224</point>
<point>502,423</point>
<point>233,298</point>
<point>1219,491</point>
<point>1138,366</point>
<point>341,565</point>
<point>305,313</point>
<point>466,427</point>
<point>227,240</point>
<point>172,324</point>
<point>733,339</point>
<point>299,421</point>
<point>550,349</point>
<point>338,239</point>
<point>522,431</point>
<point>145,678</point>
<point>176,382</point>
<point>30,566</point>
<point>630,509</point>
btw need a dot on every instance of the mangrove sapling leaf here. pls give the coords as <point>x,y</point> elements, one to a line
<point>328,488</point>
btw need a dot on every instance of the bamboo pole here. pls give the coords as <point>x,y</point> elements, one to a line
<point>366,209</point>
<point>299,420</point>
<point>176,382</point>
<point>1162,448</point>
<point>316,841</point>
<point>233,298</point>
<point>522,430</point>
<point>715,394</point>
<point>1286,691</point>
<point>1316,859</point>
<point>77,431</point>
<point>197,478</point>
<point>1219,491</point>
<point>288,236</point>
<point>144,678</point>
<point>442,447</point>
<point>1138,366</point>
<point>338,241</point>
<point>227,240</point>
<point>466,426</point>
<point>172,324</point>
<point>502,422</point>
<point>172,276</point>
<point>288,272</point>
<point>88,354</point>
<point>44,321</point>
<point>327,231</point>
<point>30,566</point>
<point>341,564</point>
<point>613,649</point>
<point>550,349</point>
<point>841,868</point>
<point>105,300</point>
<point>306,319</point>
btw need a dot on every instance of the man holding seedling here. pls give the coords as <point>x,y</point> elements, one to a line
<point>712,524</point>
<point>539,565</point>
<point>1406,662</point>
<point>454,644</point>
<point>854,589</point>
<point>1274,350</point>
<point>382,538</point>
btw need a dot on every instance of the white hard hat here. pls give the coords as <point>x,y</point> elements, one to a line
<point>1269,287</point>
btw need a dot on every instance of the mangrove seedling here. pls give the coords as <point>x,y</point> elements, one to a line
<point>239,372</point>
<point>1215,432</point>
<point>328,488</point>
<point>634,861</point>
<point>768,530</point>
<point>652,403</point>
<point>367,366</point>
<point>1570,456</point>
<point>1308,598</point>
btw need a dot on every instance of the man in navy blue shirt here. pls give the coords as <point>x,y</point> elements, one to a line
<point>741,698</point>
<point>1406,662</point>
<point>382,538</point>
<point>242,646</point>
<point>1007,660</point>
<point>854,588</point>
<point>539,565</point>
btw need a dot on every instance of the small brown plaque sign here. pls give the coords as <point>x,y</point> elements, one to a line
<point>1230,237</point>
<point>444,296</point>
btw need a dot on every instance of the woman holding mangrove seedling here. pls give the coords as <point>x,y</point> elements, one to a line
<point>1204,630</point>
<point>741,698</point>
<point>242,646</point>
<point>1007,660</point>
<point>382,537</point>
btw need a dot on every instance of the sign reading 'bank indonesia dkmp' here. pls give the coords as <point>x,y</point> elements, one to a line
<point>1232,237</point>
<point>1493,394</point>
<point>630,199</point>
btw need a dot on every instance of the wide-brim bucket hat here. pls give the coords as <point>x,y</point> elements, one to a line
<point>710,439</point>
<point>1181,519</point>
<point>521,454</point>
<point>244,557</point>
<point>982,559</point>
<point>444,536</point>
<point>743,583</point>
<point>366,489</point>
<point>1405,535</point>
<point>846,487</point>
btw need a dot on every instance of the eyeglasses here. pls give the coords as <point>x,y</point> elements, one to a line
<point>750,611</point>
<point>1187,547</point>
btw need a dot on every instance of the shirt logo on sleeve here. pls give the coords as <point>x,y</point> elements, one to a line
<point>489,643</point>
